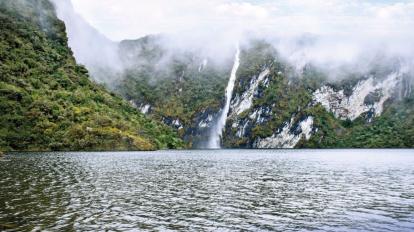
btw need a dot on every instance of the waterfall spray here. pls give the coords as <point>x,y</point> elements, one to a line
<point>217,130</point>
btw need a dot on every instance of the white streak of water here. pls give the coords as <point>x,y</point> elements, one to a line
<point>217,130</point>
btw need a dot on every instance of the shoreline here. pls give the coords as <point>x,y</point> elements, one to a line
<point>2,153</point>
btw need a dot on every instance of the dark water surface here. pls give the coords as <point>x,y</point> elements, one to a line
<point>225,190</point>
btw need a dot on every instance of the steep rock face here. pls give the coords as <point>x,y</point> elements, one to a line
<point>367,96</point>
<point>182,87</point>
<point>245,101</point>
<point>288,136</point>
<point>243,126</point>
<point>261,104</point>
<point>144,108</point>
<point>206,123</point>
<point>185,90</point>
<point>198,131</point>
<point>274,105</point>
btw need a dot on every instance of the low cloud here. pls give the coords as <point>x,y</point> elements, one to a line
<point>337,32</point>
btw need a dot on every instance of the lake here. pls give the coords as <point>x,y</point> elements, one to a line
<point>225,190</point>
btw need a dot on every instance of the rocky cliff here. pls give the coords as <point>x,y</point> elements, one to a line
<point>274,104</point>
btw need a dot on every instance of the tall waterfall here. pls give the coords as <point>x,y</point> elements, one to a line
<point>217,130</point>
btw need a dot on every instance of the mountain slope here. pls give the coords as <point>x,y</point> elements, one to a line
<point>290,108</point>
<point>179,89</point>
<point>275,104</point>
<point>47,101</point>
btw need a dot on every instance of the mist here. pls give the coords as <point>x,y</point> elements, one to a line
<point>90,47</point>
<point>332,35</point>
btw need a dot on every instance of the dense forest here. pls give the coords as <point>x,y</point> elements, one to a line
<point>48,101</point>
<point>189,95</point>
<point>289,95</point>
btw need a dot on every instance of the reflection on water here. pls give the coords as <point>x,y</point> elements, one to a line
<point>331,190</point>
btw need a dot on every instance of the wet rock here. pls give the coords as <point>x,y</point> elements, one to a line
<point>367,95</point>
<point>289,135</point>
<point>245,101</point>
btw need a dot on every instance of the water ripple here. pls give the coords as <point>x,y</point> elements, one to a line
<point>228,190</point>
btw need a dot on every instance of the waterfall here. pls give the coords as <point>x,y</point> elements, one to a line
<point>217,130</point>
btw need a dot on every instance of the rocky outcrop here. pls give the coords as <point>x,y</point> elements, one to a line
<point>257,116</point>
<point>245,101</point>
<point>367,96</point>
<point>289,135</point>
<point>200,130</point>
<point>144,108</point>
<point>267,91</point>
<point>206,122</point>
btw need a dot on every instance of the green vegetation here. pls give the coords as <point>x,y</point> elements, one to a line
<point>285,95</point>
<point>178,95</point>
<point>394,128</point>
<point>177,90</point>
<point>47,101</point>
<point>289,94</point>
<point>177,86</point>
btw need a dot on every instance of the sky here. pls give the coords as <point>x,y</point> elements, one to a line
<point>131,19</point>
<point>330,34</point>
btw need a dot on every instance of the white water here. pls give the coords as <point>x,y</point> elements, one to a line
<point>217,130</point>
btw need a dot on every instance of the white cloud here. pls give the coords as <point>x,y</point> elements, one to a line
<point>120,19</point>
<point>346,30</point>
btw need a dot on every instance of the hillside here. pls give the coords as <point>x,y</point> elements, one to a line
<point>274,104</point>
<point>277,106</point>
<point>179,91</point>
<point>48,102</point>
